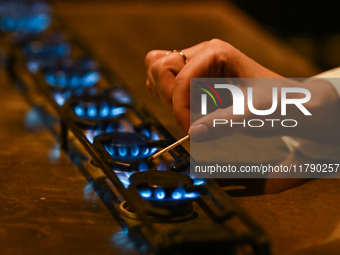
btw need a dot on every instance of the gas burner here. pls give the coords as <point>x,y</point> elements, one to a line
<point>130,166</point>
<point>130,151</point>
<point>36,64</point>
<point>98,114</point>
<point>116,94</point>
<point>125,146</point>
<point>96,130</point>
<point>43,52</point>
<point>97,111</point>
<point>122,125</point>
<point>126,152</point>
<point>126,211</point>
<point>101,113</point>
<point>51,45</point>
<point>123,176</point>
<point>165,189</point>
<point>71,73</point>
<point>164,186</point>
<point>25,17</point>
<point>122,96</point>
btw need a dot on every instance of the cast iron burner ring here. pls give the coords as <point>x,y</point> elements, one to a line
<point>120,145</point>
<point>163,179</point>
<point>126,211</point>
<point>165,189</point>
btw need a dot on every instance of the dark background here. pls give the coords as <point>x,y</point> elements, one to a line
<point>312,27</point>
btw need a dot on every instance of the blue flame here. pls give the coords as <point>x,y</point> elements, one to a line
<point>146,152</point>
<point>146,193</point>
<point>134,150</point>
<point>65,79</point>
<point>143,166</point>
<point>90,136</point>
<point>104,111</point>
<point>25,25</point>
<point>178,193</point>
<point>128,174</point>
<point>155,136</point>
<point>79,110</point>
<point>199,182</point>
<point>146,132</point>
<point>122,150</point>
<point>91,78</point>
<point>110,150</point>
<point>110,128</point>
<point>124,178</point>
<point>191,195</point>
<point>60,79</point>
<point>50,79</point>
<point>116,111</point>
<point>160,194</point>
<point>92,133</point>
<point>43,50</point>
<point>92,111</point>
<point>75,80</point>
<point>59,99</point>
<point>122,97</point>
<point>153,150</point>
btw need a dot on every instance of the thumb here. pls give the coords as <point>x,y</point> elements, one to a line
<point>218,124</point>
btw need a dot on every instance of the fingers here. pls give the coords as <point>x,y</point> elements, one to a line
<point>163,67</point>
<point>207,62</point>
<point>151,58</point>
<point>161,75</point>
<point>217,124</point>
<point>214,59</point>
<point>169,77</point>
<point>154,55</point>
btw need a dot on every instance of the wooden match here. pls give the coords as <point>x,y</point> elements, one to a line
<point>170,147</point>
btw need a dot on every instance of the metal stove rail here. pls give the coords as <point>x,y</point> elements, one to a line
<point>180,240</point>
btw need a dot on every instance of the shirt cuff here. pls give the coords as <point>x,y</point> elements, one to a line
<point>332,76</point>
<point>316,150</point>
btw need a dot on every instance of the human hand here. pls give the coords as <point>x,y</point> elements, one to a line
<point>169,78</point>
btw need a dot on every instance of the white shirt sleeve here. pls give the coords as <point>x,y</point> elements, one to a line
<point>331,76</point>
<point>311,149</point>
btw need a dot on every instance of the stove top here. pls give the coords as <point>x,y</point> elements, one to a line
<point>98,121</point>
